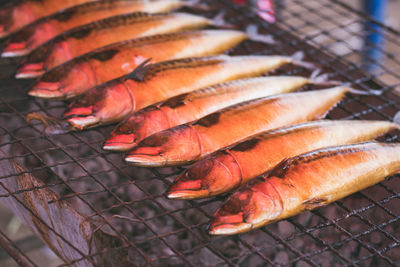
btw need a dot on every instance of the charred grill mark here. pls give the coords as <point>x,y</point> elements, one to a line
<point>81,33</point>
<point>209,120</point>
<point>176,101</point>
<point>313,203</point>
<point>246,145</point>
<point>104,55</point>
<point>65,15</point>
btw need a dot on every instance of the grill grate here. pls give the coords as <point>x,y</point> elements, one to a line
<point>132,221</point>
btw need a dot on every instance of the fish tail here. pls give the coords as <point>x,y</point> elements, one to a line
<point>254,35</point>
<point>322,79</point>
<point>52,125</point>
<point>396,118</point>
<point>297,59</point>
<point>219,21</point>
<point>361,92</point>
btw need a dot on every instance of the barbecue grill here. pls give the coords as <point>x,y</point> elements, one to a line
<point>92,209</point>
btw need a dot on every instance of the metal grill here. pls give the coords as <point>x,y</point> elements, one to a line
<point>123,214</point>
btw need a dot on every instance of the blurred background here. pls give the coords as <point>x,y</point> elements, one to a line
<point>342,35</point>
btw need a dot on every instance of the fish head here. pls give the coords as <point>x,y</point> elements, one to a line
<point>209,177</point>
<point>137,127</point>
<point>65,81</point>
<point>252,206</point>
<point>101,105</point>
<point>174,146</point>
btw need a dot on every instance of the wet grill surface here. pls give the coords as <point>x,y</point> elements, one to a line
<point>130,203</point>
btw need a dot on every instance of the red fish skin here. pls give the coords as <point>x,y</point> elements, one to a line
<point>228,126</point>
<point>44,29</point>
<point>258,154</point>
<point>15,16</point>
<point>305,182</point>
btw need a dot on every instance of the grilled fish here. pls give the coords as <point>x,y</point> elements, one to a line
<point>153,83</point>
<point>104,64</point>
<point>88,37</point>
<point>305,182</point>
<point>235,166</point>
<point>192,106</point>
<point>17,14</point>
<point>44,29</point>
<point>189,142</point>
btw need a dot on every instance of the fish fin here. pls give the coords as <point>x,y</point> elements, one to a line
<point>197,5</point>
<point>316,78</point>
<point>297,59</point>
<point>219,21</point>
<point>313,203</point>
<point>362,92</point>
<point>139,72</point>
<point>254,35</point>
<point>52,125</point>
<point>396,118</point>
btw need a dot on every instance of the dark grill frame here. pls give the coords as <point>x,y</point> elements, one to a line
<point>303,240</point>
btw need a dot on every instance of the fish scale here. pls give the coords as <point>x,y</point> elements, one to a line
<point>232,167</point>
<point>189,142</point>
<point>16,15</point>
<point>306,182</point>
<point>46,28</point>
<point>191,106</point>
<point>119,98</point>
<point>86,38</point>
<point>113,61</point>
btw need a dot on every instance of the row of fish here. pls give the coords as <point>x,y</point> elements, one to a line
<point>179,102</point>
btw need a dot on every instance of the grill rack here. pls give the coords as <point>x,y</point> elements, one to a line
<point>148,229</point>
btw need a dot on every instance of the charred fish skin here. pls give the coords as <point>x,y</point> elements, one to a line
<point>230,125</point>
<point>192,106</point>
<point>44,29</point>
<point>157,82</point>
<point>87,71</point>
<point>86,38</point>
<point>306,182</point>
<point>18,14</point>
<point>230,168</point>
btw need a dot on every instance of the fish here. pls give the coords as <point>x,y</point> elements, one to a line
<point>230,168</point>
<point>305,182</point>
<point>44,29</point>
<point>190,142</point>
<point>119,98</point>
<point>18,14</point>
<point>88,37</point>
<point>194,105</point>
<point>87,71</point>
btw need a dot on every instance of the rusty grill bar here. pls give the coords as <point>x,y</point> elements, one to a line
<point>124,210</point>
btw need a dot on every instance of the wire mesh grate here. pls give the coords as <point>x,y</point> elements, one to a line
<point>124,215</point>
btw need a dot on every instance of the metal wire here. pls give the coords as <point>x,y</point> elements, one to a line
<point>130,202</point>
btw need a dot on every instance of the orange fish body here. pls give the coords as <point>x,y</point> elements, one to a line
<point>119,98</point>
<point>104,64</point>
<point>16,15</point>
<point>88,37</point>
<point>189,142</point>
<point>235,166</point>
<point>44,29</point>
<point>192,106</point>
<point>306,182</point>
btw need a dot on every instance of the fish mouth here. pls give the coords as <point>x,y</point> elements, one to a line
<point>47,90</point>
<point>187,193</point>
<point>146,160</point>
<point>83,122</point>
<point>30,71</point>
<point>228,228</point>
<point>123,142</point>
<point>15,50</point>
